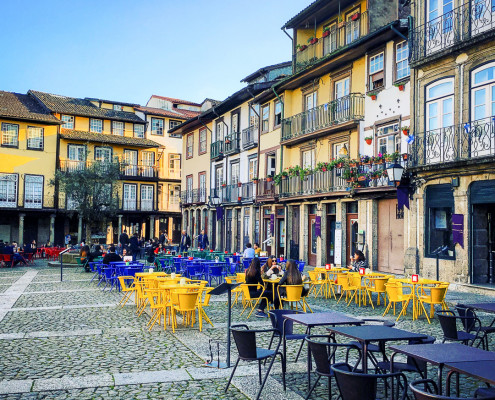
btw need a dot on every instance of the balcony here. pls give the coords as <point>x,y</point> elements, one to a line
<point>194,196</point>
<point>472,21</point>
<point>265,190</point>
<point>216,150</point>
<point>250,137</point>
<point>338,38</point>
<point>232,143</point>
<point>336,180</point>
<point>139,171</point>
<point>231,194</point>
<point>466,141</point>
<point>347,109</point>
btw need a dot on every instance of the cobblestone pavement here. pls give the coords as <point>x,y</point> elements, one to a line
<point>70,339</point>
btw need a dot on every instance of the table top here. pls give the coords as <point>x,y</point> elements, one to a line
<point>325,318</point>
<point>487,307</point>
<point>421,281</point>
<point>373,333</point>
<point>441,353</point>
<point>483,370</point>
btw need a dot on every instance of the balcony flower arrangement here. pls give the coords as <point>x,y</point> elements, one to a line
<point>341,23</point>
<point>368,140</point>
<point>349,175</point>
<point>362,177</point>
<point>392,157</point>
<point>379,159</point>
<point>400,85</point>
<point>269,178</point>
<point>353,163</point>
<point>355,16</point>
<point>405,130</point>
<point>313,40</point>
<point>255,179</point>
<point>340,162</point>
<point>373,94</point>
<point>224,184</point>
<point>278,177</point>
<point>324,167</point>
<point>375,174</point>
<point>405,156</point>
<point>366,160</point>
<point>326,31</point>
<point>301,47</point>
<point>239,184</point>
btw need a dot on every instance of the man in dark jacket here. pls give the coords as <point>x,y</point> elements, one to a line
<point>161,240</point>
<point>203,242</point>
<point>185,242</point>
<point>134,246</point>
<point>111,256</point>
<point>124,240</point>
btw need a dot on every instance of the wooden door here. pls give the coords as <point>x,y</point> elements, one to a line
<point>331,239</point>
<point>312,241</point>
<point>390,238</point>
<point>294,240</point>
<point>267,234</point>
<point>352,228</point>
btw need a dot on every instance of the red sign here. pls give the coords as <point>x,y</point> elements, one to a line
<point>226,252</point>
<point>211,251</point>
<point>415,278</point>
<point>362,271</point>
<point>179,256</point>
<point>328,267</point>
<point>191,258</point>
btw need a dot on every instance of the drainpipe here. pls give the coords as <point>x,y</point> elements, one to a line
<point>258,151</point>
<point>227,133</point>
<point>293,49</point>
<point>282,118</point>
<point>201,122</point>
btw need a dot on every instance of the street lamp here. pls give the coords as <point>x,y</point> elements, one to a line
<point>215,201</point>
<point>395,172</point>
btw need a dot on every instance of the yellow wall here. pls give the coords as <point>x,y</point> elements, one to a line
<point>35,162</point>
<point>198,163</point>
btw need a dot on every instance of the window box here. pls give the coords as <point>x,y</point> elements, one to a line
<point>325,33</point>
<point>355,16</point>
<point>269,179</point>
<point>239,184</point>
<point>312,40</point>
<point>405,156</point>
<point>301,47</point>
<point>373,95</point>
<point>341,24</point>
<point>239,199</point>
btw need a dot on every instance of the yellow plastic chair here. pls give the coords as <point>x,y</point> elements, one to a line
<point>356,280</point>
<point>252,301</point>
<point>128,288</point>
<point>202,303</point>
<point>347,288</point>
<point>317,282</point>
<point>140,297</point>
<point>185,303</point>
<point>293,295</point>
<point>236,291</point>
<point>395,294</point>
<point>377,285</point>
<point>432,296</point>
<point>158,308</point>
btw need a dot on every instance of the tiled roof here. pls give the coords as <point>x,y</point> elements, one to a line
<point>104,138</point>
<point>178,101</point>
<point>81,107</point>
<point>23,106</point>
<point>121,103</point>
<point>175,113</point>
<point>301,14</point>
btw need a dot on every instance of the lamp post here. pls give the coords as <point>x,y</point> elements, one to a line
<point>395,172</point>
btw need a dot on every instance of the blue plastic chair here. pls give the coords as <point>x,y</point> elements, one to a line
<point>301,266</point>
<point>109,277</point>
<point>93,267</point>
<point>246,262</point>
<point>215,272</point>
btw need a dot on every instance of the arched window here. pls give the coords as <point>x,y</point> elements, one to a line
<point>483,92</point>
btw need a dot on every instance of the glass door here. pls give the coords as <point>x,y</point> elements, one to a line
<point>148,158</point>
<point>131,161</point>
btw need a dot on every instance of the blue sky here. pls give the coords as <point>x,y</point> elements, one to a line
<point>127,50</point>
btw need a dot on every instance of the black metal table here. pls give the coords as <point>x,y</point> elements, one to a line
<point>311,320</point>
<point>442,353</point>
<point>374,333</point>
<point>481,370</point>
<point>485,307</point>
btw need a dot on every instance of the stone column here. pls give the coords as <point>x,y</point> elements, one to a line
<point>79,230</point>
<point>52,228</point>
<point>21,230</point>
<point>120,224</point>
<point>152,226</point>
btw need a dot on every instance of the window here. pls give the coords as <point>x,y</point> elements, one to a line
<point>342,88</point>
<point>139,130</point>
<point>253,168</point>
<point>131,162</point>
<point>96,125</point>
<point>118,128</point>
<point>234,173</point>
<point>254,112</point>
<point>338,150</point>
<point>388,139</point>
<point>202,187</point>
<point>156,126</point>
<point>310,100</point>
<point>117,107</point>
<point>234,123</point>
<point>270,165</point>
<point>219,131</point>
<point>265,117</point>
<point>33,191</point>
<point>147,197</point>
<point>8,190</point>
<point>68,121</point>
<point>376,71</point>
<point>103,154</point>
<point>308,158</point>
<point>278,113</point>
<point>483,92</point>
<point>130,197</point>
<point>203,141</point>
<point>189,189</point>
<point>174,163</point>
<point>401,60</point>
<point>148,160</point>
<point>171,125</point>
<point>10,135</point>
<point>77,157</point>
<point>352,27</point>
<point>438,224</point>
<point>174,192</point>
<point>34,138</point>
<point>190,145</point>
<point>218,176</point>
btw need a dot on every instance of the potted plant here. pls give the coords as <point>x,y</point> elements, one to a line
<point>355,16</point>
<point>375,174</point>
<point>301,47</point>
<point>352,163</point>
<point>379,159</point>
<point>368,140</point>
<point>400,85</point>
<point>404,156</point>
<point>239,184</point>
<point>405,130</point>
<point>366,160</point>
<point>341,23</point>
<point>224,184</point>
<point>269,178</point>
<point>326,31</point>
<point>239,199</point>
<point>373,95</point>
<point>255,179</point>
<point>361,177</point>
<point>391,157</point>
<point>313,40</point>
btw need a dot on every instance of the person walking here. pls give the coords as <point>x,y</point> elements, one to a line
<point>134,246</point>
<point>185,242</point>
<point>203,242</point>
<point>123,240</point>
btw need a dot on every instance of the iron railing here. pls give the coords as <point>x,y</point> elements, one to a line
<point>347,108</point>
<point>250,137</point>
<point>265,189</point>
<point>139,171</point>
<point>339,37</point>
<point>467,21</point>
<point>126,170</point>
<point>239,192</point>
<point>217,149</point>
<point>232,143</point>
<point>454,143</point>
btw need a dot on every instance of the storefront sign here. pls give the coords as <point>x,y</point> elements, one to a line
<point>272,223</point>
<point>318,226</point>
<point>458,229</point>
<point>415,278</point>
<point>338,243</point>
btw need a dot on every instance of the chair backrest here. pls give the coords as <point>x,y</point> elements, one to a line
<point>245,292</point>
<point>277,319</point>
<point>394,291</point>
<point>293,292</point>
<point>207,297</point>
<point>344,281</point>
<point>245,341</point>
<point>379,284</point>
<point>426,389</point>
<point>448,323</point>
<point>187,301</point>
<point>301,266</point>
<point>123,284</point>
<point>354,386</point>
<point>215,270</point>
<point>241,277</point>
<point>355,279</point>
<point>313,275</point>
<point>438,293</point>
<point>468,317</point>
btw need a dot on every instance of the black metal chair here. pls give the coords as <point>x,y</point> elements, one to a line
<point>324,355</point>
<point>245,341</point>
<point>448,322</point>
<point>359,386</point>
<point>468,324</point>
<point>430,391</point>
<point>411,364</point>
<point>285,330</point>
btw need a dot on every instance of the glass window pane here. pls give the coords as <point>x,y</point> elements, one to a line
<point>441,89</point>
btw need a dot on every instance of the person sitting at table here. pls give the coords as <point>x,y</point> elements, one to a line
<point>95,254</point>
<point>358,261</point>
<point>253,276</point>
<point>257,249</point>
<point>111,256</point>
<point>270,267</point>
<point>292,276</point>
<point>248,252</point>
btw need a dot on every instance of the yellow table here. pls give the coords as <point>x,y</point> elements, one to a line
<point>273,282</point>
<point>421,281</point>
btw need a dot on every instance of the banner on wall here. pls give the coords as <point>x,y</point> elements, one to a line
<point>219,213</point>
<point>318,226</point>
<point>272,223</point>
<point>458,229</point>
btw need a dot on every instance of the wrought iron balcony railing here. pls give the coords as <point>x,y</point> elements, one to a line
<point>265,189</point>
<point>217,149</point>
<point>239,192</point>
<point>250,137</point>
<point>232,143</point>
<point>193,196</point>
<point>470,20</point>
<point>126,170</point>
<point>465,141</point>
<point>346,109</point>
<point>338,38</point>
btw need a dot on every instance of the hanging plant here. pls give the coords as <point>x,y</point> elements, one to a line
<point>313,40</point>
<point>368,140</point>
<point>301,47</point>
<point>326,31</point>
<point>405,130</point>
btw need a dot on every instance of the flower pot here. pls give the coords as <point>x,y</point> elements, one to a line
<point>339,165</point>
<point>303,47</point>
<point>348,180</point>
<point>315,40</point>
<point>401,88</point>
<point>239,184</point>
<point>352,165</point>
<point>378,161</point>
<point>341,24</point>
<point>269,179</point>
<point>404,156</point>
<point>239,199</point>
<point>353,179</point>
<point>373,97</point>
<point>369,141</point>
<point>361,178</point>
<point>284,176</point>
<point>325,34</point>
<point>405,132</point>
<point>355,16</point>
